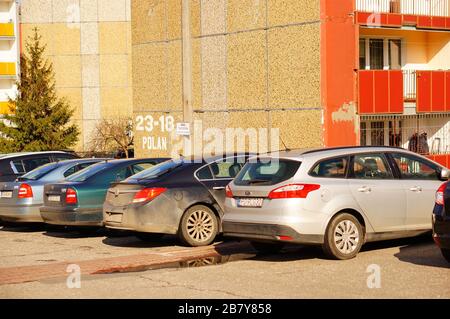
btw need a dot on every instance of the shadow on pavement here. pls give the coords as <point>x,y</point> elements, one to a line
<point>131,241</point>
<point>73,232</point>
<point>22,227</point>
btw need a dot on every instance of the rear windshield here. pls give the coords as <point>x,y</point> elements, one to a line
<point>267,173</point>
<point>157,170</point>
<point>88,172</point>
<point>39,172</point>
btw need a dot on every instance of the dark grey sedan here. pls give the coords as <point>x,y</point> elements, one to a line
<point>20,200</point>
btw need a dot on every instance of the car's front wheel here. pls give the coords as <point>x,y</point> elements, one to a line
<point>446,254</point>
<point>199,226</point>
<point>344,237</point>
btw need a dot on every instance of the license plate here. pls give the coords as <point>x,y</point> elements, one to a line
<point>114,218</point>
<point>54,198</point>
<point>6,194</point>
<point>250,202</point>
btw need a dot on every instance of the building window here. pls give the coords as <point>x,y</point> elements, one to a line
<point>377,133</point>
<point>380,54</point>
<point>395,54</point>
<point>363,134</point>
<point>395,134</point>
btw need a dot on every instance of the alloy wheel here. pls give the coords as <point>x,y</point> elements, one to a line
<point>346,237</point>
<point>200,226</point>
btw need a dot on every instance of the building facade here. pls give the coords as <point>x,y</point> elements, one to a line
<point>324,72</point>
<point>9,53</point>
<point>89,44</point>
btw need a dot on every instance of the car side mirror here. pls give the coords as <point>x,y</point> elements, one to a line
<point>445,174</point>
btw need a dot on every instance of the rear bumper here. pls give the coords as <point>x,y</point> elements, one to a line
<point>71,216</point>
<point>267,232</point>
<point>21,213</point>
<point>441,231</point>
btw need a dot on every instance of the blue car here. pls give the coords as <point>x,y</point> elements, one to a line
<point>78,201</point>
<point>20,200</point>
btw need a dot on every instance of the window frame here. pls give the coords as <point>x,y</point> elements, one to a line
<point>347,156</point>
<point>386,161</point>
<point>386,57</point>
<point>212,173</point>
<point>390,155</point>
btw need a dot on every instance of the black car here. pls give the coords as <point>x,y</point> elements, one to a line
<point>441,220</point>
<point>15,165</point>
<point>183,197</point>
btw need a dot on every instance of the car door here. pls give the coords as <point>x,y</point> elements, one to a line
<point>220,174</point>
<point>378,193</point>
<point>420,179</point>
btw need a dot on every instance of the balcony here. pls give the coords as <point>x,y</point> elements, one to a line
<point>6,30</point>
<point>422,14</point>
<point>387,91</point>
<point>8,70</point>
<point>5,108</point>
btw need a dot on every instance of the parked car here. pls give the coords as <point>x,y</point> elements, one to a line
<point>182,197</point>
<point>16,164</point>
<point>441,220</point>
<point>20,200</point>
<point>78,201</point>
<point>339,198</point>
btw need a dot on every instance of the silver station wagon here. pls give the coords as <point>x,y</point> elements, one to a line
<point>339,198</point>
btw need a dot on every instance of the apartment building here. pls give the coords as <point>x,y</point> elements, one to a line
<point>9,53</point>
<point>324,72</point>
<point>89,44</point>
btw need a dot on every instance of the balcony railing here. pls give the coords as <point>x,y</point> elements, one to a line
<point>7,69</point>
<point>437,8</point>
<point>6,29</point>
<point>386,91</point>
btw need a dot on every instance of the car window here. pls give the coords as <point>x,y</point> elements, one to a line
<point>137,168</point>
<point>39,172</point>
<point>62,157</point>
<point>204,173</point>
<point>32,163</point>
<point>71,171</point>
<point>267,172</point>
<point>225,169</point>
<point>121,174</point>
<point>412,167</point>
<point>371,166</point>
<point>18,167</point>
<point>88,172</point>
<point>331,168</point>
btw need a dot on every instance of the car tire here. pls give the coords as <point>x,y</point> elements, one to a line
<point>267,247</point>
<point>149,237</point>
<point>198,226</point>
<point>344,237</point>
<point>446,254</point>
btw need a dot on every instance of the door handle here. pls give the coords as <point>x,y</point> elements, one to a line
<point>416,189</point>
<point>219,188</point>
<point>365,189</point>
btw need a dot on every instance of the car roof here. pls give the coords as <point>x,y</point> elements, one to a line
<point>12,155</point>
<point>80,160</point>
<point>209,158</point>
<point>332,151</point>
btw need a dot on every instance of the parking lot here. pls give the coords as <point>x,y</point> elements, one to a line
<point>34,259</point>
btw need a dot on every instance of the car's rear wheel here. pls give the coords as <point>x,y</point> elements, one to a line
<point>198,227</point>
<point>267,247</point>
<point>344,237</point>
<point>446,254</point>
<point>149,237</point>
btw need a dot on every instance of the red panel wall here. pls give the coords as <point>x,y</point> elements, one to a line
<point>380,92</point>
<point>433,91</point>
<point>339,42</point>
<point>444,160</point>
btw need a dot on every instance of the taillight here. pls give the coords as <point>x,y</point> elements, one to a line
<point>25,191</point>
<point>148,194</point>
<point>228,192</point>
<point>440,194</point>
<point>293,191</point>
<point>71,196</point>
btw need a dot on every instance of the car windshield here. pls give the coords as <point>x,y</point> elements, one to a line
<point>157,170</point>
<point>88,172</point>
<point>267,172</point>
<point>39,172</point>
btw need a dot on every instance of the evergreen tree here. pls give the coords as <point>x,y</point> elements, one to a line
<point>40,120</point>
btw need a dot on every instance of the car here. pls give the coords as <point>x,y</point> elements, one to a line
<point>441,220</point>
<point>339,198</point>
<point>16,164</point>
<point>20,200</point>
<point>180,197</point>
<point>78,201</point>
